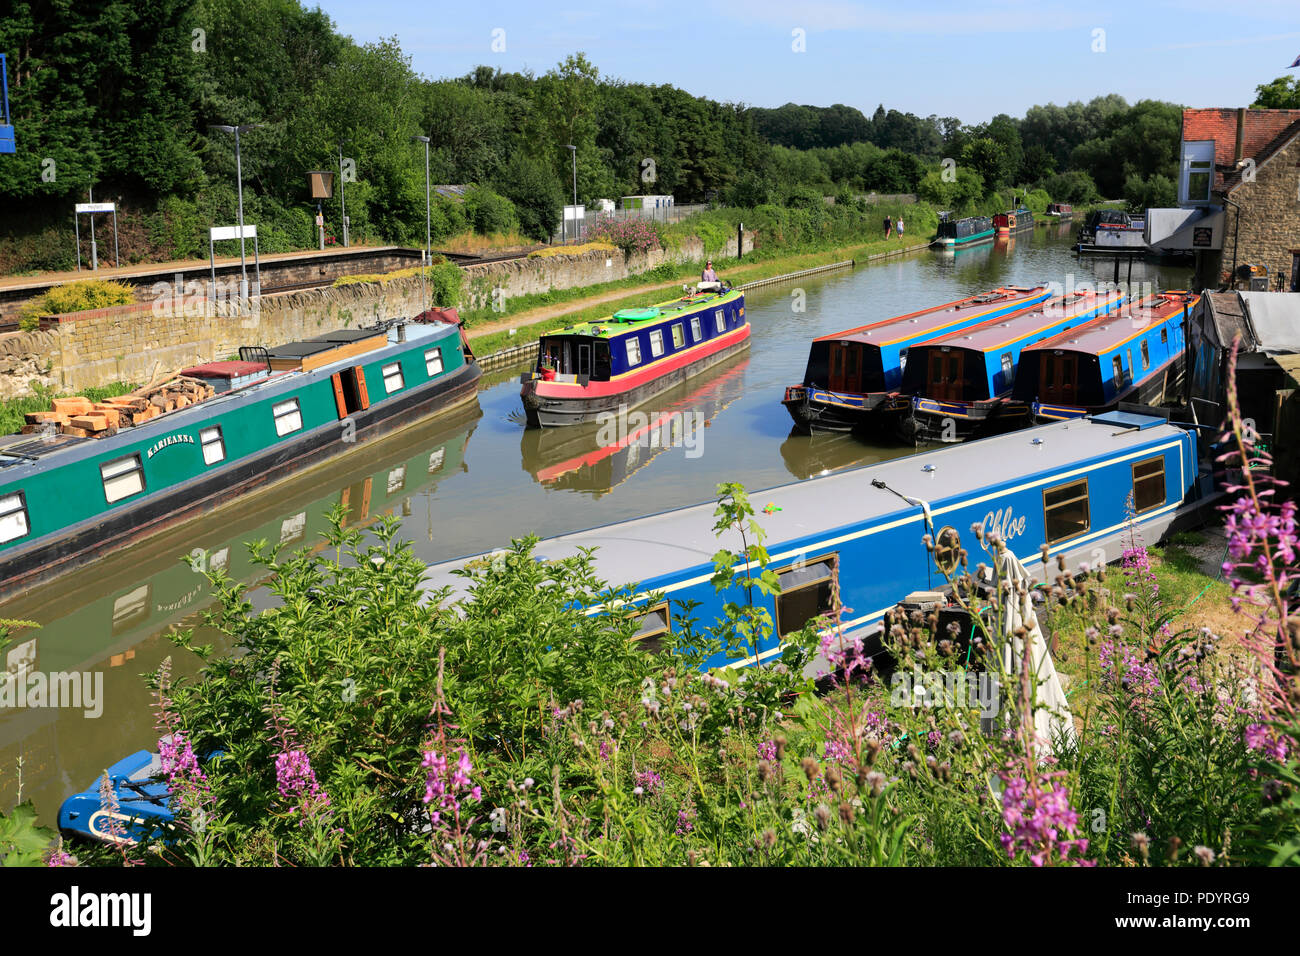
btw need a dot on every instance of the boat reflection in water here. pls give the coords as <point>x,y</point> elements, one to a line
<point>595,458</point>
<point>113,622</point>
<point>811,456</point>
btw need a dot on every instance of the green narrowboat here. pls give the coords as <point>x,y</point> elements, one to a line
<point>65,500</point>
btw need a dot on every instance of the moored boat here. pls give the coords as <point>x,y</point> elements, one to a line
<point>1008,223</point>
<point>1060,211</point>
<point>66,499</point>
<point>960,233</point>
<point>591,369</point>
<point>1133,355</point>
<point>851,375</point>
<point>960,384</point>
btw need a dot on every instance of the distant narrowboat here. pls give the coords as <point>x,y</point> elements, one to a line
<point>1133,355</point>
<point>65,500</point>
<point>1008,223</point>
<point>960,233</point>
<point>852,375</point>
<point>591,369</point>
<point>1060,211</point>
<point>960,384</point>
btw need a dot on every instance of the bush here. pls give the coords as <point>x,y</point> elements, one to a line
<point>446,280</point>
<point>76,297</point>
<point>489,212</point>
<point>635,234</point>
<point>1072,187</point>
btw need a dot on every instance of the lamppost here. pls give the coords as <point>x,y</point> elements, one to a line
<point>425,255</point>
<point>574,150</point>
<point>343,201</point>
<point>239,182</point>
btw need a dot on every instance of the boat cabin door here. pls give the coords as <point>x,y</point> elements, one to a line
<point>943,376</point>
<point>584,360</point>
<point>846,367</point>
<point>1058,378</point>
<point>350,394</point>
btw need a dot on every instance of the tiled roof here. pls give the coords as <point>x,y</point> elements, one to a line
<point>1232,180</point>
<point>1260,128</point>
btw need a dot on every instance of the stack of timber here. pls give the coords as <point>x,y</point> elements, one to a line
<point>86,418</point>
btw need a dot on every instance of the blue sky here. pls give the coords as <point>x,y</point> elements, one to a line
<point>966,59</point>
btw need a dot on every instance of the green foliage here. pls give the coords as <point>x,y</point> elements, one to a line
<point>961,195</point>
<point>13,410</point>
<point>1037,201</point>
<point>1072,187</point>
<point>446,281</point>
<point>1152,192</point>
<point>489,212</point>
<point>536,195</point>
<point>1281,94</point>
<point>78,297</point>
<point>22,841</point>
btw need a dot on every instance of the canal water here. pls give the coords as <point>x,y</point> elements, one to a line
<point>471,482</point>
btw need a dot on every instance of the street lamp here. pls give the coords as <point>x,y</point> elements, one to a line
<point>574,150</point>
<point>343,201</point>
<point>239,181</point>
<point>425,256</point>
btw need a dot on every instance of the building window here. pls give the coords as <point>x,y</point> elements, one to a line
<point>656,342</point>
<point>13,517</point>
<point>288,417</point>
<point>393,377</point>
<point>433,362</point>
<point>1148,484</point>
<point>719,320</point>
<point>806,593</point>
<point>679,337</point>
<point>1198,171</point>
<point>656,624</point>
<point>633,352</point>
<point>697,331</point>
<point>1065,510</point>
<point>214,449</point>
<point>1146,356</point>
<point>122,478</point>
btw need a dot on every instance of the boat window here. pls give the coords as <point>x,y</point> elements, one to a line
<point>436,459</point>
<point>393,377</point>
<point>600,369</point>
<point>1129,363</point>
<point>1008,366</point>
<point>1164,336</point>
<point>679,337</point>
<point>807,592</point>
<point>214,449</point>
<point>397,479</point>
<point>633,352</point>
<point>1065,510</point>
<point>433,362</point>
<point>13,517</point>
<point>719,320</point>
<point>1118,365</point>
<point>697,331</point>
<point>122,478</point>
<point>656,342</point>
<point>1148,484</point>
<point>1146,356</point>
<point>656,624</point>
<point>288,417</point>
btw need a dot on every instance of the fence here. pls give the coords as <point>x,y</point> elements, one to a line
<point>575,230</point>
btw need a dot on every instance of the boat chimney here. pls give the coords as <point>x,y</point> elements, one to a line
<point>401,331</point>
<point>1241,135</point>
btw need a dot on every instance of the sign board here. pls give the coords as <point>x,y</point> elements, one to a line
<point>575,212</point>
<point>1202,237</point>
<point>83,207</point>
<point>322,183</point>
<point>320,220</point>
<point>218,233</point>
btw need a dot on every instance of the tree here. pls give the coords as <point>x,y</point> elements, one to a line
<point>536,194</point>
<point>1281,94</point>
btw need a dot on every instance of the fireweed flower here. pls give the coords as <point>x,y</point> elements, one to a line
<point>447,783</point>
<point>1040,821</point>
<point>296,782</point>
<point>649,782</point>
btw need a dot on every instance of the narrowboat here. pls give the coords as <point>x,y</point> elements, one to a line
<point>1134,355</point>
<point>959,384</point>
<point>1122,229</point>
<point>851,375</point>
<point>1060,211</point>
<point>852,544</point>
<point>960,233</point>
<point>589,370</point>
<point>65,500</point>
<point>857,534</point>
<point>1008,223</point>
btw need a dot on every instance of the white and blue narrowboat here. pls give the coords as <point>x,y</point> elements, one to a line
<point>1134,355</point>
<point>852,375</point>
<point>960,384</point>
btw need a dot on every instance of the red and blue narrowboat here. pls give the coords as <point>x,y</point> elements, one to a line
<point>1006,224</point>
<point>852,375</point>
<point>591,369</point>
<point>1134,355</point>
<point>960,384</point>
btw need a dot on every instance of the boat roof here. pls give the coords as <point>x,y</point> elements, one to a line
<point>23,455</point>
<point>644,549</point>
<point>625,320</point>
<point>934,319</point>
<point>996,333</point>
<point>1128,322</point>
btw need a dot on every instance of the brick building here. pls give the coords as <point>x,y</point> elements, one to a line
<point>1238,198</point>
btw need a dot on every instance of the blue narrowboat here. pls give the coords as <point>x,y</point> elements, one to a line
<point>858,533</point>
<point>591,369</point>
<point>960,384</point>
<point>65,498</point>
<point>1134,355</point>
<point>960,233</point>
<point>851,375</point>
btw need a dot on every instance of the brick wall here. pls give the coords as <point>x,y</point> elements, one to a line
<point>1269,229</point>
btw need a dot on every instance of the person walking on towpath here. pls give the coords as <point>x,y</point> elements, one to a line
<point>889,226</point>
<point>900,227</point>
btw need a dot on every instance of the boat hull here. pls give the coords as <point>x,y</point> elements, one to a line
<point>821,410</point>
<point>546,406</point>
<point>929,421</point>
<point>86,543</point>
